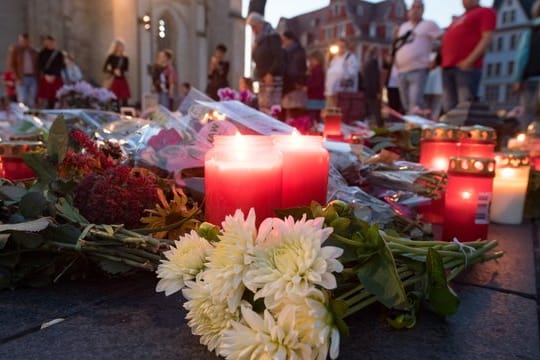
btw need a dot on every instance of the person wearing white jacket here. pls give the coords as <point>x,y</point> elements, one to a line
<point>342,73</point>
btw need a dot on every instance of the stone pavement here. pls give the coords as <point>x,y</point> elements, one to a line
<point>125,318</point>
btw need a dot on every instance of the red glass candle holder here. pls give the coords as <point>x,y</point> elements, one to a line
<point>438,144</point>
<point>477,142</point>
<point>305,169</point>
<point>12,165</point>
<point>242,172</point>
<point>468,195</point>
<point>332,118</point>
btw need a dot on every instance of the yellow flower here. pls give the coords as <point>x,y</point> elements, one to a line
<point>168,213</point>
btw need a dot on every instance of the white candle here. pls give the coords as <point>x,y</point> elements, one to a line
<point>509,190</point>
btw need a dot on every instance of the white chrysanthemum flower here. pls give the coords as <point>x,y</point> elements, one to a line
<point>315,324</point>
<point>264,338</point>
<point>290,260</point>
<point>227,264</point>
<point>207,318</point>
<point>183,262</point>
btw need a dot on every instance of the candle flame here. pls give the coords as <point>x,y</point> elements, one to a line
<point>466,195</point>
<point>507,173</point>
<point>521,137</point>
<point>440,164</point>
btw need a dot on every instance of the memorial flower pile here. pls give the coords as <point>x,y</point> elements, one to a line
<point>82,95</point>
<point>284,289</point>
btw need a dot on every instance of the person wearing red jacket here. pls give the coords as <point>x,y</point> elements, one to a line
<point>463,48</point>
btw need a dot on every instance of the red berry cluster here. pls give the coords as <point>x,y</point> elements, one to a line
<point>119,195</point>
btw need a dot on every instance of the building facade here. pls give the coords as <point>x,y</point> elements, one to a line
<point>364,23</point>
<point>513,17</point>
<point>191,28</point>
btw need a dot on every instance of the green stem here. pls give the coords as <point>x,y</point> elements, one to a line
<point>66,269</point>
<point>146,231</point>
<point>145,266</point>
<point>344,240</point>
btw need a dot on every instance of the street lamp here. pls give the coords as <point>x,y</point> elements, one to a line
<point>146,21</point>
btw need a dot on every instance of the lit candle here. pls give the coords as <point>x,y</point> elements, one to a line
<point>509,188</point>
<point>242,172</point>
<point>12,165</point>
<point>332,122</point>
<point>477,142</point>
<point>468,194</point>
<point>305,169</point>
<point>438,144</point>
<point>518,143</point>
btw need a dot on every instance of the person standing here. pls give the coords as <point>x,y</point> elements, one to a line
<point>165,79</point>
<point>315,85</point>
<point>372,85</point>
<point>23,64</point>
<point>527,75</point>
<point>218,72</point>
<point>268,57</point>
<point>342,73</point>
<point>115,68</point>
<point>50,64</point>
<point>412,59</point>
<point>294,80</point>
<point>463,46</point>
<point>72,73</point>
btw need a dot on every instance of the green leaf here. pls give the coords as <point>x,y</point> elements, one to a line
<point>405,320</point>
<point>3,240</point>
<point>296,213</point>
<point>379,275</point>
<point>113,267</point>
<point>14,193</point>
<point>45,171</point>
<point>27,240</point>
<point>65,233</point>
<point>32,205</point>
<point>70,212</point>
<point>9,261</point>
<point>338,309</point>
<point>57,143</point>
<point>442,298</point>
<point>209,231</point>
<point>32,226</point>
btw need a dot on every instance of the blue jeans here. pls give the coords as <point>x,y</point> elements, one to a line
<point>411,88</point>
<point>26,90</point>
<point>459,86</point>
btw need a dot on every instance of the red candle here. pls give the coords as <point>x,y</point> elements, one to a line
<point>477,142</point>
<point>332,122</point>
<point>468,195</point>
<point>305,169</point>
<point>439,143</point>
<point>242,172</point>
<point>12,166</point>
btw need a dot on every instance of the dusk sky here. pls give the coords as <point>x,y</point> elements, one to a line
<point>440,11</point>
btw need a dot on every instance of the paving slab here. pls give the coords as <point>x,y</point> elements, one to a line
<point>515,271</point>
<point>23,309</point>
<point>489,324</point>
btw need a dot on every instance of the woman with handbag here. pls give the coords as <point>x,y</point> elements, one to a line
<point>342,73</point>
<point>115,68</point>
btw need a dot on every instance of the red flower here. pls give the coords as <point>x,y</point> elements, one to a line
<point>119,195</point>
<point>165,138</point>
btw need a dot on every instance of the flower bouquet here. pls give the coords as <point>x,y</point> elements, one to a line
<point>82,95</point>
<point>284,290</point>
<point>86,207</point>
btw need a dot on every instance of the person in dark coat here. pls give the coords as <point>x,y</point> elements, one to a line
<point>268,57</point>
<point>115,68</point>
<point>218,72</point>
<point>372,86</point>
<point>294,80</point>
<point>51,63</point>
